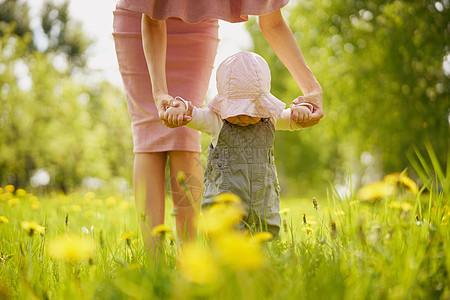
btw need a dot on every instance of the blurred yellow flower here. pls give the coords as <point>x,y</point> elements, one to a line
<point>160,229</point>
<point>75,208</point>
<point>403,205</point>
<point>197,264</point>
<point>21,192</point>
<point>35,205</point>
<point>13,202</point>
<point>89,213</point>
<point>31,227</point>
<point>10,188</point>
<point>89,195</point>
<point>227,198</point>
<point>71,248</point>
<point>376,190</point>
<point>220,217</point>
<point>307,229</point>
<point>284,211</point>
<point>126,236</point>
<point>402,179</point>
<point>3,219</point>
<point>1,190</point>
<point>238,252</point>
<point>261,237</point>
<point>110,202</point>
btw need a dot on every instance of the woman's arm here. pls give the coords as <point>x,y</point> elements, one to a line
<point>154,42</point>
<point>282,41</point>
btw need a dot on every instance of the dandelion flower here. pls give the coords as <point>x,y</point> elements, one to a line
<point>71,248</point>
<point>376,190</point>
<point>220,217</point>
<point>126,236</point>
<point>75,208</point>
<point>20,192</point>
<point>261,237</point>
<point>13,202</point>
<point>31,227</point>
<point>284,211</point>
<point>110,202</point>
<point>161,229</point>
<point>197,264</point>
<point>89,195</point>
<point>239,252</point>
<point>3,219</point>
<point>227,198</point>
<point>402,179</point>
<point>10,188</point>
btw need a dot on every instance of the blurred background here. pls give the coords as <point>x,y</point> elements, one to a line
<point>384,67</point>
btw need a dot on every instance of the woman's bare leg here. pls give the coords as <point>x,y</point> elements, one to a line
<point>149,193</point>
<point>190,163</point>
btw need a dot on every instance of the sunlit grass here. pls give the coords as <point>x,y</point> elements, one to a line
<point>84,246</point>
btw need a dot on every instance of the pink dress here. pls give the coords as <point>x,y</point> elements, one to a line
<point>192,39</point>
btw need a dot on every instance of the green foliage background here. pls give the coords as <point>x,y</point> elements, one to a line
<point>380,64</point>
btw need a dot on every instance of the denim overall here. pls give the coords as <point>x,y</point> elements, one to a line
<point>242,163</point>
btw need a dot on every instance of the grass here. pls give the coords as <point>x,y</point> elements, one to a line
<point>396,247</point>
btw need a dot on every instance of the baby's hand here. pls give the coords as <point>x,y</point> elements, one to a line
<point>301,112</point>
<point>175,114</point>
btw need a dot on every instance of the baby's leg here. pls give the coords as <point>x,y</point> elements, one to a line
<point>149,193</point>
<point>190,163</point>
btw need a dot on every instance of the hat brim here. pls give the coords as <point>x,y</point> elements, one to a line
<point>262,106</point>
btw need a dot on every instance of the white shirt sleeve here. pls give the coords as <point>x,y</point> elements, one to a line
<point>207,121</point>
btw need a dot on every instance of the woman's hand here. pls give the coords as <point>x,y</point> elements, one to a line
<point>315,99</point>
<point>163,102</point>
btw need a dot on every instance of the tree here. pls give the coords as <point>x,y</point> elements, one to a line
<point>52,121</point>
<point>385,90</point>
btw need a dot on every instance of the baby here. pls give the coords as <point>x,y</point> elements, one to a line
<point>241,121</point>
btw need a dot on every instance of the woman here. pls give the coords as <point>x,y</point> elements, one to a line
<point>178,41</point>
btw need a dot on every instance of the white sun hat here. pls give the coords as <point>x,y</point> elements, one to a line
<point>243,85</point>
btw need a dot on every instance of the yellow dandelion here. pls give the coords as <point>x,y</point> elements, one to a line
<point>89,196</point>
<point>402,179</point>
<point>13,202</point>
<point>239,252</point>
<point>403,205</point>
<point>75,208</point>
<point>110,202</point>
<point>376,190</point>
<point>20,192</point>
<point>261,237</point>
<point>10,188</point>
<point>3,219</point>
<point>35,205</point>
<point>197,264</point>
<point>307,229</point>
<point>71,248</point>
<point>126,236</point>
<point>1,190</point>
<point>284,211</point>
<point>220,217</point>
<point>181,177</point>
<point>227,198</point>
<point>89,213</point>
<point>31,227</point>
<point>160,230</point>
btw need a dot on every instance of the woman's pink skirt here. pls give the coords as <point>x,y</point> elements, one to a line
<point>191,50</point>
